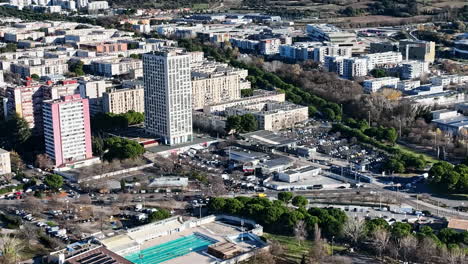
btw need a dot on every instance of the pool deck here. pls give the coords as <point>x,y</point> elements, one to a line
<point>211,230</point>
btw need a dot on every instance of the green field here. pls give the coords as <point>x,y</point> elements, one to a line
<point>407,150</point>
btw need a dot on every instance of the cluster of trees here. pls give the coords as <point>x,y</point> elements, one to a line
<point>159,214</point>
<point>399,8</point>
<point>76,67</point>
<point>10,47</point>
<point>110,121</point>
<point>448,178</point>
<point>277,217</point>
<point>241,123</point>
<point>384,134</point>
<point>117,148</point>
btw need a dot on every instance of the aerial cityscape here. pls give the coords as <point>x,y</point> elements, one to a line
<point>233,131</point>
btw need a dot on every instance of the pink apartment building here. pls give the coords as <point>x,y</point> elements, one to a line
<point>67,130</point>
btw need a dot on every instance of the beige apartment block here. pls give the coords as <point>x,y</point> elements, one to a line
<point>208,89</point>
<point>123,100</point>
<point>5,163</point>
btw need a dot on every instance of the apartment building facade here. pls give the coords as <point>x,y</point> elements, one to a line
<point>168,96</point>
<point>123,100</point>
<point>67,130</point>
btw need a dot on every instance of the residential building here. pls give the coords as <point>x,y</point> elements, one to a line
<point>26,101</point>
<point>119,101</point>
<point>215,85</point>
<point>269,46</point>
<point>168,96</point>
<point>119,66</point>
<point>98,5</point>
<point>413,69</point>
<point>272,116</point>
<point>106,47</point>
<point>67,130</point>
<point>334,64</point>
<point>377,59</point>
<point>446,80</point>
<point>259,96</point>
<point>373,85</point>
<point>299,51</point>
<point>5,163</point>
<point>418,50</point>
<point>354,67</point>
<point>319,53</point>
<point>93,90</point>
<point>408,85</point>
<point>61,88</point>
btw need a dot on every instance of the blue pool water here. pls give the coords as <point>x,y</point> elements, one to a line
<point>170,250</point>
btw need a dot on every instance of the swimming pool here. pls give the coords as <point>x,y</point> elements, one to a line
<point>170,250</point>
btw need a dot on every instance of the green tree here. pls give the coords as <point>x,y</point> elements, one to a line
<point>394,165</point>
<point>15,132</point>
<point>158,215</point>
<point>54,181</point>
<point>300,201</point>
<point>400,230</point>
<point>379,73</point>
<point>35,77</point>
<point>312,110</point>
<point>391,135</point>
<point>217,204</point>
<point>233,123</point>
<point>248,123</point>
<point>233,206</point>
<point>285,196</point>
<point>121,148</point>
<point>98,146</point>
<point>329,113</point>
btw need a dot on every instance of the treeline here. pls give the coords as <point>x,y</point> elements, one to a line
<point>277,217</point>
<point>449,178</point>
<point>241,123</point>
<point>111,121</point>
<point>399,162</point>
<point>288,216</point>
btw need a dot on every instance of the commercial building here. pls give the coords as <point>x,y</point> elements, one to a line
<point>379,47</point>
<point>168,96</point>
<point>373,85</point>
<point>354,67</point>
<point>299,174</point>
<point>418,50</point>
<point>330,33</point>
<point>120,101</point>
<point>67,130</point>
<point>5,163</point>
<point>376,59</point>
<point>450,121</point>
<point>273,116</point>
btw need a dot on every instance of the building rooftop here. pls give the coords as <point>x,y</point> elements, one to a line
<point>459,121</point>
<point>99,255</point>
<point>269,138</point>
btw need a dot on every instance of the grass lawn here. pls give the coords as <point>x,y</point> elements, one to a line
<point>292,250</point>
<point>410,151</point>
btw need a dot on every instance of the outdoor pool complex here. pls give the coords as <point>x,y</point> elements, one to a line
<point>170,250</point>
